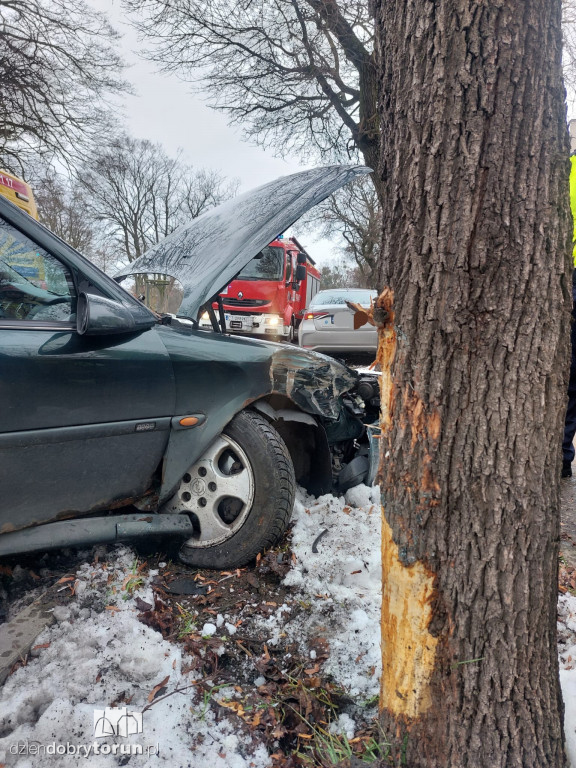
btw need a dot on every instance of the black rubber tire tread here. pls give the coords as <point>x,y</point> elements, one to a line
<point>274,491</point>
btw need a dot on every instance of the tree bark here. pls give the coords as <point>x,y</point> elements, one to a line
<point>367,135</point>
<point>475,349</point>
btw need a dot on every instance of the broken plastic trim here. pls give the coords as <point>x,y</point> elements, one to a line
<point>314,388</point>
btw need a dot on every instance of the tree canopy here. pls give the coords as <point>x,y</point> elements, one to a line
<point>59,67</point>
<point>298,75</point>
<point>140,194</point>
<point>352,218</point>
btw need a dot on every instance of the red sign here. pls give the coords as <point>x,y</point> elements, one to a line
<point>14,184</point>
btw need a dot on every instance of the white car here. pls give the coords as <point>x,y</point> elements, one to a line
<point>328,323</point>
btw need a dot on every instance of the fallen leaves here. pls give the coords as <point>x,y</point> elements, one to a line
<point>160,617</point>
<point>566,579</point>
<point>293,702</point>
<point>69,582</point>
<point>158,690</point>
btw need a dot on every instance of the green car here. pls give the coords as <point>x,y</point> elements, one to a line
<point>117,423</point>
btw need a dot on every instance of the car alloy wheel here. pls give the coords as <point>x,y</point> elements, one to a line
<point>218,490</point>
<point>239,495</point>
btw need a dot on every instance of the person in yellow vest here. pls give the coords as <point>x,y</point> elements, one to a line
<point>570,421</point>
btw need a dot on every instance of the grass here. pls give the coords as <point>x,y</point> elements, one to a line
<point>207,697</point>
<point>187,622</point>
<point>329,749</point>
<point>133,581</point>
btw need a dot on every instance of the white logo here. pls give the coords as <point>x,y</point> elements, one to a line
<point>116,721</point>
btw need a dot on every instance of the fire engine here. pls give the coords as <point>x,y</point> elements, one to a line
<point>268,297</point>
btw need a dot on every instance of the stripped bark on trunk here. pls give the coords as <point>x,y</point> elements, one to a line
<point>474,334</point>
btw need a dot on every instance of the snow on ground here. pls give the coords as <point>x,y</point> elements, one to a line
<point>99,653</point>
<point>341,583</point>
<point>567,656</point>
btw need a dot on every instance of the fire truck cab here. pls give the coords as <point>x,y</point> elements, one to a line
<point>268,297</point>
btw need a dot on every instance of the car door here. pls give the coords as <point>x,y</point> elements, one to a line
<point>84,420</point>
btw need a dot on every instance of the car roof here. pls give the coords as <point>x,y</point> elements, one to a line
<point>346,290</point>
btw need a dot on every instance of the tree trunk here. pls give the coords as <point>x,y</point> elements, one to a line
<point>476,252</point>
<point>368,134</point>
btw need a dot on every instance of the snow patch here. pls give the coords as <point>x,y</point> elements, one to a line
<point>341,584</point>
<point>567,657</point>
<point>98,654</point>
<point>344,725</point>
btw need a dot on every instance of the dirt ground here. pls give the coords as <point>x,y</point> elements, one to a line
<point>568,519</point>
<point>294,701</point>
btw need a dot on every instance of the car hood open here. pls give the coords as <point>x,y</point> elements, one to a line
<point>206,254</point>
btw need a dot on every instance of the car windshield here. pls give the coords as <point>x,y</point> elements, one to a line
<point>267,265</point>
<point>325,298</point>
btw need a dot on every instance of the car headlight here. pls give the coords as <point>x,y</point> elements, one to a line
<point>272,321</point>
<point>205,317</point>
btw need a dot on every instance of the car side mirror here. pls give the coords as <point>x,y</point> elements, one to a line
<point>301,258</point>
<point>99,316</point>
<point>300,273</point>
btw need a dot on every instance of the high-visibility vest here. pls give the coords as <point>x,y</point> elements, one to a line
<point>573,202</point>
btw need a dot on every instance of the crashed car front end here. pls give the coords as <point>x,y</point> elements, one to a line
<point>319,407</point>
<point>346,405</point>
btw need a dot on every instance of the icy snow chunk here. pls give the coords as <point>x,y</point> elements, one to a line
<point>344,725</point>
<point>219,620</point>
<point>208,629</point>
<point>259,681</point>
<point>139,660</point>
<point>568,683</point>
<point>342,584</point>
<point>359,496</point>
<point>230,628</point>
<point>90,662</point>
<point>299,508</point>
<point>61,612</point>
<point>359,620</point>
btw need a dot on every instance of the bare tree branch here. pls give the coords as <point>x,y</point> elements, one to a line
<point>59,69</point>
<point>140,194</point>
<point>353,217</point>
<point>298,75</point>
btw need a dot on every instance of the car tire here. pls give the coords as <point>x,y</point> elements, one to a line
<point>253,468</point>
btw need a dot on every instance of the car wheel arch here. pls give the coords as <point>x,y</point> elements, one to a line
<point>305,439</point>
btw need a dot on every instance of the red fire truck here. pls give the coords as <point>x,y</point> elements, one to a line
<point>269,295</point>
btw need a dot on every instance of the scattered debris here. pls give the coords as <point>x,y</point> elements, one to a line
<point>317,539</point>
<point>185,586</point>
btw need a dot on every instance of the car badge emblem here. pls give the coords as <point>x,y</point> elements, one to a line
<point>240,295</point>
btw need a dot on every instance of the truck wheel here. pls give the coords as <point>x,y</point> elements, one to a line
<point>292,335</point>
<point>239,495</point>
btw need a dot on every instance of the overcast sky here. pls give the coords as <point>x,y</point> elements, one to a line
<point>166,110</point>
